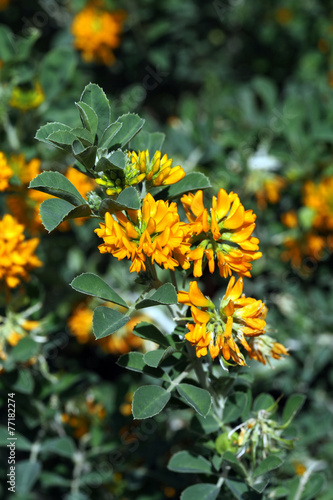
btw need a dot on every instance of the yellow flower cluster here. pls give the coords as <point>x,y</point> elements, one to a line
<point>156,172</point>
<point>96,33</point>
<point>17,256</point>
<point>224,234</point>
<point>5,172</point>
<point>155,232</point>
<point>220,330</point>
<point>26,99</point>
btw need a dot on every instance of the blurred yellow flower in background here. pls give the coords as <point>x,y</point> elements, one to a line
<point>5,172</point>
<point>120,342</point>
<point>319,197</point>
<point>4,4</point>
<point>17,254</point>
<point>271,191</point>
<point>27,99</point>
<point>97,32</point>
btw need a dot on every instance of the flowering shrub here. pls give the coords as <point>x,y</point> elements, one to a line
<point>176,362</point>
<point>143,225</point>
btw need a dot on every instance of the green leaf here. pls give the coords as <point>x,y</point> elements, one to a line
<point>24,350</point>
<point>22,443</point>
<point>145,140</point>
<point>56,70</point>
<point>88,117</point>
<point>26,475</point>
<point>55,211</point>
<point>93,285</point>
<point>132,361</point>
<point>24,382</point>
<point>86,156</point>
<point>63,139</point>
<point>155,358</point>
<point>191,182</point>
<point>117,159</point>
<point>238,488</point>
<point>198,398</point>
<point>204,425</point>
<point>185,462</point>
<point>166,294</point>
<point>63,446</point>
<point>230,458</point>
<point>234,407</point>
<point>270,463</point>
<point>131,125</point>
<point>204,491</point>
<point>57,185</point>
<point>313,487</point>
<point>95,97</point>
<point>86,137</point>
<point>263,402</point>
<point>148,331</point>
<point>149,400</point>
<point>128,199</point>
<point>6,44</point>
<point>107,321</point>
<point>292,406</point>
<point>109,134</point>
<point>49,479</point>
<point>46,130</point>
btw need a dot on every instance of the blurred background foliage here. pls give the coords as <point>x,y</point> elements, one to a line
<point>244,93</point>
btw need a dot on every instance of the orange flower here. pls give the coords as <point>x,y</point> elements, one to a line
<point>16,253</point>
<point>271,191</point>
<point>290,219</point>
<point>5,173</point>
<point>225,234</point>
<point>96,32</point>
<point>80,323</point>
<point>155,232</point>
<point>310,245</point>
<point>264,347</point>
<point>283,15</point>
<point>4,4</point>
<point>319,197</point>
<point>220,331</point>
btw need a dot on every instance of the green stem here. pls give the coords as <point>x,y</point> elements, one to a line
<point>177,380</point>
<point>173,279</point>
<point>78,469</point>
<point>152,271</point>
<point>12,137</point>
<point>217,403</point>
